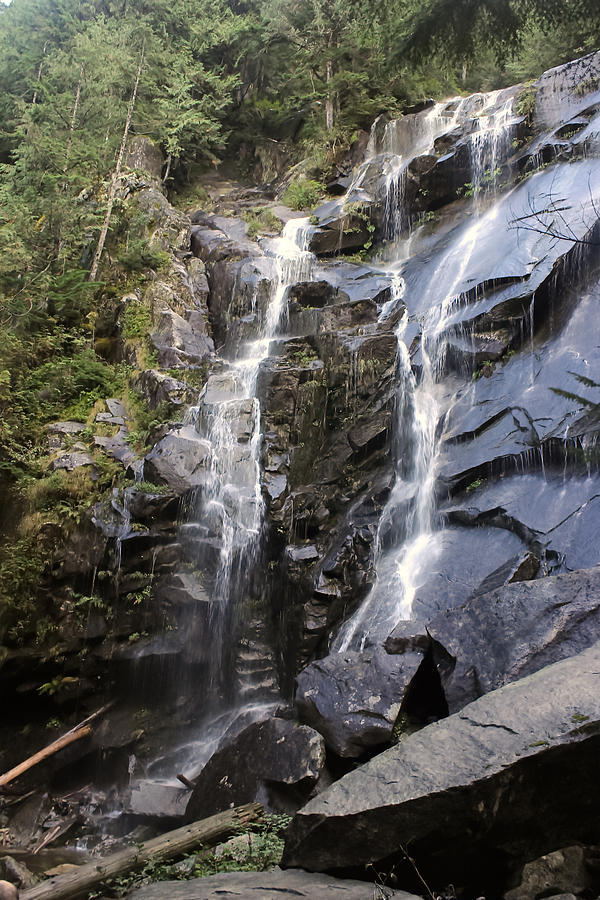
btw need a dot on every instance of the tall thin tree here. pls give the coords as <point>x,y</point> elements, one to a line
<point>117,170</point>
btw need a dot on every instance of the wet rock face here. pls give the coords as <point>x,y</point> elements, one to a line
<point>276,762</point>
<point>509,633</point>
<point>326,411</point>
<point>468,793</point>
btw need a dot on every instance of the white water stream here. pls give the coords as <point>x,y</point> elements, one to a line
<point>231,513</point>
<point>408,541</point>
<point>228,416</point>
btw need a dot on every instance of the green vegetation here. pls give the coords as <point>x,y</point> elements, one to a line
<point>261,220</point>
<point>136,320</point>
<point>474,485</point>
<point>303,194</point>
<point>485,370</point>
<point>254,850</point>
<point>592,405</point>
<point>525,103</point>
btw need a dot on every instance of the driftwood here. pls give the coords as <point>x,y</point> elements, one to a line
<point>167,846</point>
<point>75,734</point>
<point>55,833</point>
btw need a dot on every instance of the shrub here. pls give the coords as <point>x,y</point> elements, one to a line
<point>302,194</point>
<point>136,320</point>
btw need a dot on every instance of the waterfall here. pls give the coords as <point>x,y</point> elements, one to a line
<point>228,517</point>
<point>230,504</point>
<point>408,539</point>
<point>491,142</point>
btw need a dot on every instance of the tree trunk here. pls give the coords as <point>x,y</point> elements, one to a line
<point>329,102</point>
<point>39,74</point>
<point>115,178</point>
<point>75,734</point>
<point>73,123</point>
<point>168,169</point>
<point>173,843</point>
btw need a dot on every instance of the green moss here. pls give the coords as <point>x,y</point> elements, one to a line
<point>261,220</point>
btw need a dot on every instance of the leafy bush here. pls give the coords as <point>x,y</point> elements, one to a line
<point>136,320</point>
<point>303,193</point>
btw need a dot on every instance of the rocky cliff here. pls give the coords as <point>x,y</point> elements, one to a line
<point>371,502</point>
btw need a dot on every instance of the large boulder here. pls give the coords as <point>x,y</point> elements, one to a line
<point>178,341</point>
<point>170,229</point>
<point>561,872</point>
<point>340,226</point>
<point>510,632</point>
<point>353,699</point>
<point>276,762</point>
<point>514,775</point>
<point>142,153</point>
<point>275,885</point>
<point>179,460</point>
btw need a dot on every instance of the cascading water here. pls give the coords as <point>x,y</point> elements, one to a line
<point>231,503</point>
<point>490,143</point>
<point>229,515</point>
<point>408,539</point>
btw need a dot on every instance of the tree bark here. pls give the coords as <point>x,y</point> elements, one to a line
<point>48,751</point>
<point>73,122</point>
<point>329,108</point>
<point>39,74</point>
<point>167,846</point>
<point>75,734</point>
<point>114,180</point>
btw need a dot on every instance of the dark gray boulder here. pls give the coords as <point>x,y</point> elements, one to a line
<point>179,459</point>
<point>276,762</point>
<point>353,699</point>
<point>514,631</point>
<point>275,885</point>
<point>563,871</point>
<point>340,226</point>
<point>514,775</point>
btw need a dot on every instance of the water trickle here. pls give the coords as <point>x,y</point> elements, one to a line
<point>490,144</point>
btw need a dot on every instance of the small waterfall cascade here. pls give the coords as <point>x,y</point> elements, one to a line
<point>490,144</point>
<point>408,540</point>
<point>224,530</point>
<point>402,140</point>
<point>230,504</point>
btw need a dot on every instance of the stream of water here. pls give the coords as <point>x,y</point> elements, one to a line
<point>230,510</point>
<point>408,541</point>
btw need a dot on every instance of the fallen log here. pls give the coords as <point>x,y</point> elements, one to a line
<point>173,843</point>
<point>75,734</point>
<point>48,751</point>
